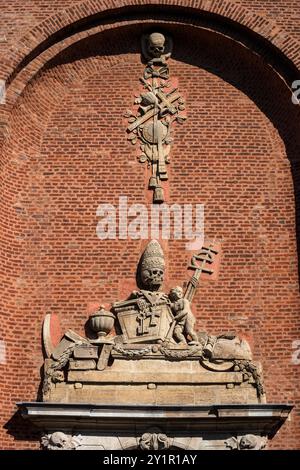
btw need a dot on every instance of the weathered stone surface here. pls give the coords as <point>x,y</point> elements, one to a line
<point>86,352</point>
<point>158,358</point>
<point>146,377</point>
<point>131,394</point>
<point>60,441</point>
<point>77,364</point>
<point>158,344</point>
<point>231,349</point>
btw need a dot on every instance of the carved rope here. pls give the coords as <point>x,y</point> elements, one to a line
<point>132,353</point>
<point>53,372</point>
<point>250,368</point>
<point>171,354</point>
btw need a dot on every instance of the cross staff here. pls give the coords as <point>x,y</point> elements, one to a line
<point>167,105</point>
<point>205,257</point>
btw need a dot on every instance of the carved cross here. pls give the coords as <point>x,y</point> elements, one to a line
<point>206,257</point>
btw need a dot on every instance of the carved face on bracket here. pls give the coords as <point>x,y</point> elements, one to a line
<point>152,278</point>
<point>156,45</point>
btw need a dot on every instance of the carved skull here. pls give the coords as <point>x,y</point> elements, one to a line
<point>156,45</point>
<point>248,442</point>
<point>152,278</point>
<point>59,440</point>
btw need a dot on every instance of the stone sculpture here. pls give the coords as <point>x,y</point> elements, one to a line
<point>143,362</point>
<point>60,441</point>
<point>158,107</point>
<point>150,325</point>
<point>246,442</point>
<point>154,440</point>
<point>156,50</point>
<point>184,320</point>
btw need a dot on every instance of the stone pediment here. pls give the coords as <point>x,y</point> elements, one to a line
<point>83,368</point>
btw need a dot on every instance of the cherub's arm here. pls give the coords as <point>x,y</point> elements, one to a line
<point>180,315</point>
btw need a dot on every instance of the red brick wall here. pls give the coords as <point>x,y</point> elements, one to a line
<point>66,151</point>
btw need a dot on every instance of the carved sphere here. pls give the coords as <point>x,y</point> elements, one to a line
<point>151,133</point>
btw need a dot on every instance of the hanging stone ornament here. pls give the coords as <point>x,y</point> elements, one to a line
<point>158,107</point>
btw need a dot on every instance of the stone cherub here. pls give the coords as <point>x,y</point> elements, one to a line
<point>183,317</point>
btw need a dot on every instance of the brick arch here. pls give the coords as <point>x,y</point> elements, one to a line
<point>38,38</point>
<point>59,31</point>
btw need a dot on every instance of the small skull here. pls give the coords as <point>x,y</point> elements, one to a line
<point>58,439</point>
<point>156,45</point>
<point>152,278</point>
<point>248,442</point>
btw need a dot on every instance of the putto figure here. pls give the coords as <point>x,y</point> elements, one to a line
<point>184,320</point>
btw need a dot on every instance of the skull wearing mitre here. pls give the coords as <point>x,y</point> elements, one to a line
<point>152,266</point>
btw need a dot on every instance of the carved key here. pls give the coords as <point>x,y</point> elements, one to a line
<point>104,356</point>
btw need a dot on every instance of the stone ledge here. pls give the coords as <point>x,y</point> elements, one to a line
<point>261,418</point>
<point>91,376</point>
